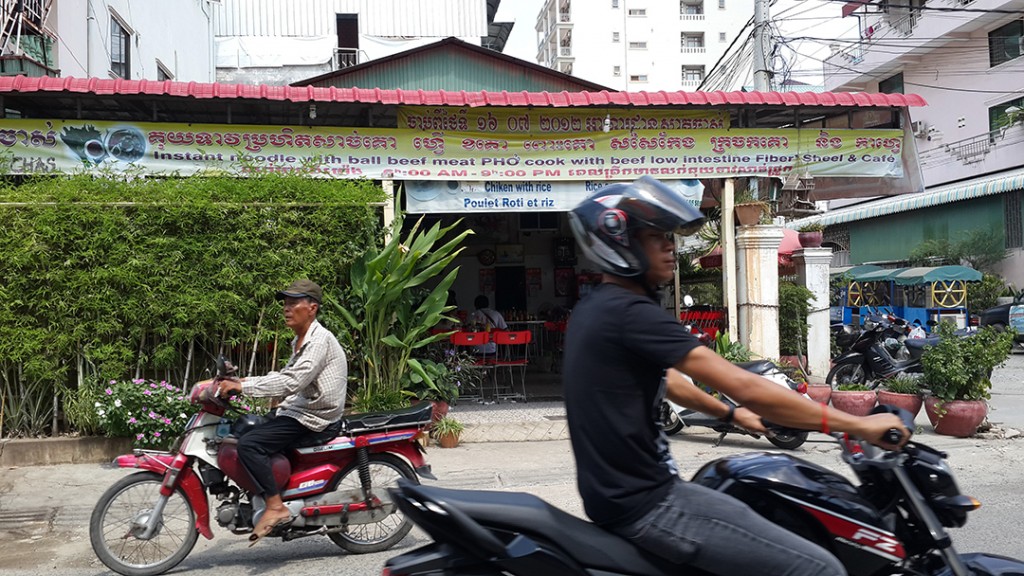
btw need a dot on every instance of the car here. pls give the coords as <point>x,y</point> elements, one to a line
<point>999,316</point>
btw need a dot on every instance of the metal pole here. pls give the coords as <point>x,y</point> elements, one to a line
<point>762,76</point>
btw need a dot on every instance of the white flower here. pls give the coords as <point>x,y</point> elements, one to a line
<point>101,412</point>
<point>98,404</point>
<point>117,403</point>
<point>183,416</point>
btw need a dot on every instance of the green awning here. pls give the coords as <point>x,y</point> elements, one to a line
<point>927,275</point>
<point>1006,181</point>
<point>853,271</point>
<point>878,275</point>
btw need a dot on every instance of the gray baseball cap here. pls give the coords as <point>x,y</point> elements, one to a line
<point>300,289</point>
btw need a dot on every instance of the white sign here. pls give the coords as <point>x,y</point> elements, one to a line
<point>432,197</point>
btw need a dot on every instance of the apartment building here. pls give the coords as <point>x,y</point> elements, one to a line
<point>966,58</point>
<point>170,40</point>
<point>638,44</point>
<point>284,41</point>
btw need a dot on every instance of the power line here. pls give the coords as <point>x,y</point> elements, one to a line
<point>886,5</point>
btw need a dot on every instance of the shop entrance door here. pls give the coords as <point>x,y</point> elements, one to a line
<point>510,288</point>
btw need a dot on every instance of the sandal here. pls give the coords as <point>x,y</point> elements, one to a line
<point>256,537</point>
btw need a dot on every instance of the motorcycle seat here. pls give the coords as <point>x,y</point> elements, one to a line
<point>757,366</point>
<point>413,417</point>
<point>529,515</point>
<point>920,343</point>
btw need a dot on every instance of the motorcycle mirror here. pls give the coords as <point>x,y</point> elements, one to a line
<point>687,300</point>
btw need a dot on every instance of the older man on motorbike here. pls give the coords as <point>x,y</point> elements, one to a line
<point>312,385</point>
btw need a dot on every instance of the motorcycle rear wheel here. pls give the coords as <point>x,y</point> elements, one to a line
<point>668,420</point>
<point>385,470</point>
<point>846,374</point>
<point>115,523</point>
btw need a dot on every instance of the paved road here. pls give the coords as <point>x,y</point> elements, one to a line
<point>44,510</point>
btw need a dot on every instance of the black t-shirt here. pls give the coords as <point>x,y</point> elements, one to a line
<point>618,345</point>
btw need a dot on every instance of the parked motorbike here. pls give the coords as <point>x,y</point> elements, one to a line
<point>148,522</point>
<point>893,522</point>
<point>878,351</point>
<point>672,417</point>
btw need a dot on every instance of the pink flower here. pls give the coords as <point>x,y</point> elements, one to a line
<point>157,434</point>
<point>139,436</point>
<point>131,420</point>
<point>109,391</point>
<point>146,392</point>
<point>112,382</point>
<point>167,420</point>
<point>153,385</point>
<point>153,415</point>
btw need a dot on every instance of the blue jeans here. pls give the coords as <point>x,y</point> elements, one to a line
<point>697,526</point>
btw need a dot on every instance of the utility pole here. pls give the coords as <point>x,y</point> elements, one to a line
<point>762,76</point>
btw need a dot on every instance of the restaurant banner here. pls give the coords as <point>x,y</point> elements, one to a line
<point>43,146</point>
<point>423,197</point>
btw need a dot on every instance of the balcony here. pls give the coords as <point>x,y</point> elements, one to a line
<point>11,65</point>
<point>692,50</point>
<point>691,17</point>
<point>347,57</point>
<point>565,51</point>
<point>563,17</point>
<point>691,82</point>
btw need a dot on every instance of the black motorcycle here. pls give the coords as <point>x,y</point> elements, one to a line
<point>878,351</point>
<point>893,522</point>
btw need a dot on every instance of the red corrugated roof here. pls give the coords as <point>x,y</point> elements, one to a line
<point>102,86</point>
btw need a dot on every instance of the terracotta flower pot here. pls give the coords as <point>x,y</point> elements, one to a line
<point>749,214</point>
<point>448,440</point>
<point>820,393</point>
<point>810,239</point>
<point>959,418</point>
<point>856,402</point>
<point>909,402</point>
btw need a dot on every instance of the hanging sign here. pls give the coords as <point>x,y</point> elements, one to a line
<point>41,146</point>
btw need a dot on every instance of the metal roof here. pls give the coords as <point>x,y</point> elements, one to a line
<point>202,91</point>
<point>999,183</point>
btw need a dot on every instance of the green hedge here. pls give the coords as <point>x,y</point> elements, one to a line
<point>107,278</point>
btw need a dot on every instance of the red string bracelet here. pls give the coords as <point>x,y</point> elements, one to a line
<point>824,419</point>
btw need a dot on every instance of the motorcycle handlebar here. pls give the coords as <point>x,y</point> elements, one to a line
<point>892,436</point>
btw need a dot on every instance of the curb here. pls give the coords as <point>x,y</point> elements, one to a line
<point>71,450</point>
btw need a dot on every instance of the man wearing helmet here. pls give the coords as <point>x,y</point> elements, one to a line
<point>619,344</point>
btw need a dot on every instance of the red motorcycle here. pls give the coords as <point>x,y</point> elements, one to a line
<point>148,522</point>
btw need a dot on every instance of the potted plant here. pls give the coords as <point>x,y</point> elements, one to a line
<point>957,372</point>
<point>810,235</point>
<point>441,379</point>
<point>856,399</point>
<point>447,431</point>
<point>902,391</point>
<point>748,209</point>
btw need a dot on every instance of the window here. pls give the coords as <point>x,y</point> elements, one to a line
<point>616,70</point>
<point>638,77</point>
<point>162,73</point>
<point>1006,43</point>
<point>638,12</point>
<point>721,4</point>
<point>615,3</point>
<point>722,37</point>
<point>615,36</point>
<point>892,84</point>
<point>692,8</point>
<point>693,75</point>
<point>638,45</point>
<point>1014,232</point>
<point>997,116</point>
<point>692,39</point>
<point>120,50</point>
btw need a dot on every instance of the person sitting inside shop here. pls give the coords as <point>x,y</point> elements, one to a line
<point>486,319</point>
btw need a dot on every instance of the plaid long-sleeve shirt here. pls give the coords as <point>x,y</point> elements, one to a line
<point>313,382</point>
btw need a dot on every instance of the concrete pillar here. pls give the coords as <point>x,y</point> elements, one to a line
<point>757,249</point>
<point>812,265</point>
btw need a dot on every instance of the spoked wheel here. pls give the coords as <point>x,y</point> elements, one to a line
<point>391,525</point>
<point>788,441</point>
<point>668,420</point>
<point>119,520</point>
<point>846,374</point>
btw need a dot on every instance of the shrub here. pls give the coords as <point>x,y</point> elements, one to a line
<point>812,227</point>
<point>153,413</point>
<point>794,304</point>
<point>852,387</point>
<point>447,425</point>
<point>902,384</point>
<point>960,368</point>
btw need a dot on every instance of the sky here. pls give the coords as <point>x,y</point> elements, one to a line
<point>819,18</point>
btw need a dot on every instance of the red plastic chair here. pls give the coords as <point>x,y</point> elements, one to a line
<point>471,340</point>
<point>513,351</point>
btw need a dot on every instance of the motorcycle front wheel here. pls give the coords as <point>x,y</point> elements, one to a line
<point>846,374</point>
<point>120,517</point>
<point>788,441</point>
<point>385,470</point>
<point>668,420</point>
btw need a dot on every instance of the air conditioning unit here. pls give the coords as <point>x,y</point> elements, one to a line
<point>919,128</point>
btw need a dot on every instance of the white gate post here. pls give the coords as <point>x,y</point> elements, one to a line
<point>757,249</point>
<point>812,265</point>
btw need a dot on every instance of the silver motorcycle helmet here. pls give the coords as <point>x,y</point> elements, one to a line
<point>604,223</point>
